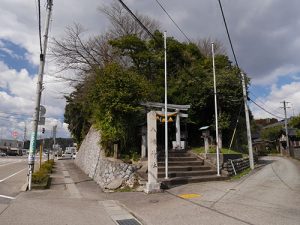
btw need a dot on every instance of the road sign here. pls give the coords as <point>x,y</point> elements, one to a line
<point>42,111</point>
<point>42,120</point>
<point>14,134</point>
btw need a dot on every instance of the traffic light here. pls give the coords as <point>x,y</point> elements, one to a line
<point>43,130</point>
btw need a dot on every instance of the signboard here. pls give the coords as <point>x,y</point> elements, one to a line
<point>14,134</point>
<point>42,119</point>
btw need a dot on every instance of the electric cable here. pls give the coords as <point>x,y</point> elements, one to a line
<point>265,109</point>
<point>40,29</point>
<point>277,112</point>
<point>161,6</point>
<point>233,52</point>
<point>137,19</point>
<point>228,34</point>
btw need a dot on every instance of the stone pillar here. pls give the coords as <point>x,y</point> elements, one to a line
<point>144,142</point>
<point>206,144</point>
<point>116,152</point>
<point>178,143</point>
<point>152,185</point>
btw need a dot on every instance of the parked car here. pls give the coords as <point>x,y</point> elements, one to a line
<point>74,155</point>
<point>67,155</point>
<point>2,154</point>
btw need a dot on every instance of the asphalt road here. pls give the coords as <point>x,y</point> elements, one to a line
<point>268,195</point>
<point>13,172</point>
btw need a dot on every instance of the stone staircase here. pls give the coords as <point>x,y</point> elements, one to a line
<point>184,168</point>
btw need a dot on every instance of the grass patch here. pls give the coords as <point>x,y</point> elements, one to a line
<point>199,150</point>
<point>125,189</point>
<point>241,174</point>
<point>41,178</point>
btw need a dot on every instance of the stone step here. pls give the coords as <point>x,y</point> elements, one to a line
<point>184,168</point>
<point>177,154</point>
<point>182,158</point>
<point>187,173</point>
<point>168,183</point>
<point>181,163</point>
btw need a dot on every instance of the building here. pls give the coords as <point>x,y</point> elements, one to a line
<point>11,147</point>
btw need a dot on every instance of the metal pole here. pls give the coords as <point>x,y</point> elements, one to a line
<point>32,149</point>
<point>216,111</point>
<point>41,153</point>
<point>286,127</point>
<point>247,122</point>
<point>166,109</point>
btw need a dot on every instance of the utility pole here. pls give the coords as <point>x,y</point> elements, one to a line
<point>216,111</point>
<point>166,109</point>
<point>39,89</point>
<point>286,126</point>
<point>247,122</point>
<point>25,135</point>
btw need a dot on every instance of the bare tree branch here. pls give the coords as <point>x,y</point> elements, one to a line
<point>205,47</point>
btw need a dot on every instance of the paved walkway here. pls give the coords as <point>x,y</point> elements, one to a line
<point>266,196</point>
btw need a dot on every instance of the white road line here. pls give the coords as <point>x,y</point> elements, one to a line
<point>8,163</point>
<point>12,175</point>
<point>4,196</point>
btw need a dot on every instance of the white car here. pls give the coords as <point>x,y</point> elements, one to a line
<point>67,155</point>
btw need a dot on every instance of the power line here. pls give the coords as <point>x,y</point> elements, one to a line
<point>161,6</point>
<point>137,19</point>
<point>233,52</point>
<point>265,104</point>
<point>228,35</point>
<point>265,109</point>
<point>40,29</point>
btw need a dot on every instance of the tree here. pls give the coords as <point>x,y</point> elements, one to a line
<point>205,47</point>
<point>122,23</point>
<point>115,100</point>
<point>271,133</point>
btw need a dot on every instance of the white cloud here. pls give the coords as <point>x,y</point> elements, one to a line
<point>273,102</point>
<point>265,35</point>
<point>18,100</point>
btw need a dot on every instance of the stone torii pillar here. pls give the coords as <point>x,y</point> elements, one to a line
<point>152,185</point>
<point>178,139</point>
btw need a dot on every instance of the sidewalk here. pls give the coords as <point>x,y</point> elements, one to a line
<point>75,199</point>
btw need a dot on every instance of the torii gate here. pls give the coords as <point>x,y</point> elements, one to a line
<point>177,108</point>
<point>153,184</point>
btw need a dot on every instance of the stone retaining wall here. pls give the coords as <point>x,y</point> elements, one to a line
<point>91,159</point>
<point>239,165</point>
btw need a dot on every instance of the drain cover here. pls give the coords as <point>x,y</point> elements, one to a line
<point>128,222</point>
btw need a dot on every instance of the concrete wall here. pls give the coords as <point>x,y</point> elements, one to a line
<point>91,159</point>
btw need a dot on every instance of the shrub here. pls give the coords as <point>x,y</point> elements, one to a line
<point>40,177</point>
<point>47,166</point>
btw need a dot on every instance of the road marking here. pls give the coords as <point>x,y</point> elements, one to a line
<point>189,196</point>
<point>12,175</point>
<point>4,196</point>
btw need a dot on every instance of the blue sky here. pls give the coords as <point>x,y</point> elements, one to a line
<point>265,35</point>
<point>15,56</point>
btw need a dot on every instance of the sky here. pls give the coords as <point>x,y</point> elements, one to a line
<point>265,35</point>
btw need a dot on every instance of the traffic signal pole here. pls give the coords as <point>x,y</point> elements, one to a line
<point>32,149</point>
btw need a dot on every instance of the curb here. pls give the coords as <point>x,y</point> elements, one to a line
<point>24,187</point>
